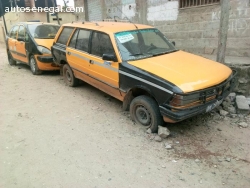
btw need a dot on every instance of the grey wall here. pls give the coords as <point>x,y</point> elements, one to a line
<point>194,29</point>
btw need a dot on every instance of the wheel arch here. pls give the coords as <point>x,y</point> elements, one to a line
<point>63,62</point>
<point>135,92</point>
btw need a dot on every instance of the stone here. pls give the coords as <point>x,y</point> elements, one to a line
<point>248,100</point>
<point>149,131</point>
<point>223,113</point>
<point>197,160</point>
<point>233,115</point>
<point>243,81</point>
<point>228,159</point>
<point>226,104</point>
<point>231,110</point>
<point>168,146</point>
<point>158,138</point>
<point>242,104</point>
<point>232,96</point>
<point>216,117</point>
<point>220,160</point>
<point>243,124</point>
<point>163,132</point>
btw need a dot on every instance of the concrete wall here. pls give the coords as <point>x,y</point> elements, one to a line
<point>193,29</point>
<point>80,16</point>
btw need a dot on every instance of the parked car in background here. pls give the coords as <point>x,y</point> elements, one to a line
<point>30,43</point>
<point>138,65</point>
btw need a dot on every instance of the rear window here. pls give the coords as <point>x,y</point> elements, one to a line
<point>65,34</point>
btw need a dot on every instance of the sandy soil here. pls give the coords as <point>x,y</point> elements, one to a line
<point>52,135</point>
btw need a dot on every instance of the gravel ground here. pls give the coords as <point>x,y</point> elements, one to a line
<point>56,136</point>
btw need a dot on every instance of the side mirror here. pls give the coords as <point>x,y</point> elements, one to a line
<point>173,42</point>
<point>109,57</point>
<point>20,39</point>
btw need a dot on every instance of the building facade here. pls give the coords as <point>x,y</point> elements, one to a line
<point>192,24</point>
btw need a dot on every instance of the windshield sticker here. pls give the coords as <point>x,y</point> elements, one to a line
<point>125,38</point>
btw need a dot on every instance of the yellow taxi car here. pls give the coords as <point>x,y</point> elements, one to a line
<point>30,43</point>
<point>138,65</point>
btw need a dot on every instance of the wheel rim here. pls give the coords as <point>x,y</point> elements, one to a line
<point>68,76</point>
<point>33,65</point>
<point>143,115</point>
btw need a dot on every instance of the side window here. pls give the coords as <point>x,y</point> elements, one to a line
<point>73,39</point>
<point>64,37</point>
<point>13,33</point>
<point>101,44</point>
<point>82,42</point>
<point>21,32</point>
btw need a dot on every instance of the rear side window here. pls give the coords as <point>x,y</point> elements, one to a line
<point>101,44</point>
<point>80,40</point>
<point>13,32</point>
<point>64,37</point>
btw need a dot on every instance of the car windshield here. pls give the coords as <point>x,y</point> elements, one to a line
<point>142,43</point>
<point>43,31</point>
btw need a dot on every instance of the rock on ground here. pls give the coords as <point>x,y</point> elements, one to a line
<point>163,132</point>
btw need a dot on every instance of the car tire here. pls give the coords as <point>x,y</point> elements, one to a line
<point>33,66</point>
<point>69,77</point>
<point>10,59</point>
<point>145,111</point>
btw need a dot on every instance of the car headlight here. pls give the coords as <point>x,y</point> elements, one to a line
<point>43,50</point>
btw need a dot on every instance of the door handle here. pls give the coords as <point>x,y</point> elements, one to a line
<point>91,62</point>
<point>69,53</point>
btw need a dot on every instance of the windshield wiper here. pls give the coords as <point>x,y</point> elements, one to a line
<point>167,52</point>
<point>136,54</point>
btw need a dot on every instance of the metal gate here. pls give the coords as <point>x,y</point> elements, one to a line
<point>94,10</point>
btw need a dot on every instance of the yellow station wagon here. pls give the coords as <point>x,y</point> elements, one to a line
<point>138,65</point>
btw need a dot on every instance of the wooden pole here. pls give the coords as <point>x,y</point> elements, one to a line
<point>4,22</point>
<point>56,13</point>
<point>47,5</point>
<point>224,20</point>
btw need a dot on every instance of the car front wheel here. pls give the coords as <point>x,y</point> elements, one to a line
<point>69,77</point>
<point>145,111</point>
<point>33,66</point>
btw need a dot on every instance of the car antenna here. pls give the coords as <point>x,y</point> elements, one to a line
<point>124,15</point>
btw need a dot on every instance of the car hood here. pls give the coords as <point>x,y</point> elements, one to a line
<point>187,71</point>
<point>45,42</point>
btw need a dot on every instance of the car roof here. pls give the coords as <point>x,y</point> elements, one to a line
<point>108,27</point>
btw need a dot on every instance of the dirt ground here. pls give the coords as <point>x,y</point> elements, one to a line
<point>52,135</point>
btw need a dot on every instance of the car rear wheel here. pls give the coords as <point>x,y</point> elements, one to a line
<point>33,66</point>
<point>69,77</point>
<point>145,111</point>
<point>10,59</point>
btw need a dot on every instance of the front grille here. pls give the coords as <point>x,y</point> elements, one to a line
<point>185,101</point>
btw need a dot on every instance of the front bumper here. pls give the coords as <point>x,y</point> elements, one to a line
<point>172,114</point>
<point>46,63</point>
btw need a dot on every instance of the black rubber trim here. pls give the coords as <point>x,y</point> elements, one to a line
<point>45,59</point>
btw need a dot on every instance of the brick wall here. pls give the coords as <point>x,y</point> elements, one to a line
<point>193,29</point>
